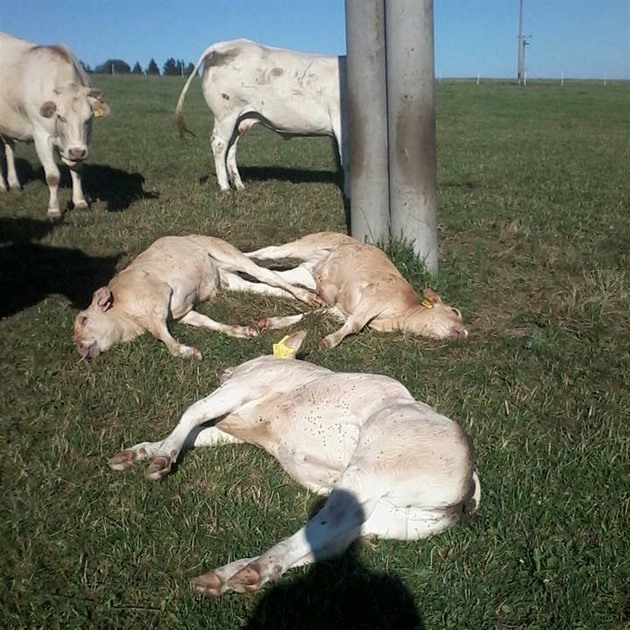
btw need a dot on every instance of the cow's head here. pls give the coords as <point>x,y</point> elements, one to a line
<point>72,108</point>
<point>435,319</point>
<point>95,330</point>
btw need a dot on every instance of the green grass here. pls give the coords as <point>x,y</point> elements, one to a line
<point>534,206</point>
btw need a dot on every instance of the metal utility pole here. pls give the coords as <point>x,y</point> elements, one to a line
<point>411,126</point>
<point>520,73</point>
<point>391,113</point>
<point>366,108</point>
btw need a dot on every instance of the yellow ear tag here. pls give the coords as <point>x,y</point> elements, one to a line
<point>98,113</point>
<point>427,303</point>
<point>281,350</point>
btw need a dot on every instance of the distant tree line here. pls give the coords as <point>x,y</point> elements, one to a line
<point>172,67</point>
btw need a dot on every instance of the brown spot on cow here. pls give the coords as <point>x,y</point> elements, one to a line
<point>225,96</point>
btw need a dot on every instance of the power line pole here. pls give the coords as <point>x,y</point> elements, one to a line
<point>522,42</point>
<point>391,114</point>
<point>367,120</point>
<point>411,126</point>
<point>520,73</point>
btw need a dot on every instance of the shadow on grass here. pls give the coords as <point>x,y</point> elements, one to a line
<point>116,188</point>
<point>32,272</point>
<point>24,229</point>
<point>340,592</point>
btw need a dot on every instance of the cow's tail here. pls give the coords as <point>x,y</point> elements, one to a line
<point>179,110</point>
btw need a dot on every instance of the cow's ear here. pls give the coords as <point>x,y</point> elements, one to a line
<point>48,109</point>
<point>98,105</point>
<point>103,299</point>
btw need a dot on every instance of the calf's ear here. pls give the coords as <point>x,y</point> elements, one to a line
<point>432,295</point>
<point>48,109</point>
<point>103,299</point>
<point>295,340</point>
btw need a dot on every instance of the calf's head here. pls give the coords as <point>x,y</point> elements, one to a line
<point>95,329</point>
<point>72,108</point>
<point>435,319</point>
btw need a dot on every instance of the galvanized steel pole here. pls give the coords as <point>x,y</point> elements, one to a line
<point>411,126</point>
<point>366,109</point>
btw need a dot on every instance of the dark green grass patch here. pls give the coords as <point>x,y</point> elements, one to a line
<point>534,239</point>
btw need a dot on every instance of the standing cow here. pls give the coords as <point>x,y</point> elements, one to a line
<point>46,98</point>
<point>291,93</point>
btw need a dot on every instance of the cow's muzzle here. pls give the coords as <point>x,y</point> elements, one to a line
<point>77,154</point>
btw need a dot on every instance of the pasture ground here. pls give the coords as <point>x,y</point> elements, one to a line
<point>535,238</point>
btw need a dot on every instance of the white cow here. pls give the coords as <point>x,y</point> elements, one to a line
<point>46,98</point>
<point>291,93</point>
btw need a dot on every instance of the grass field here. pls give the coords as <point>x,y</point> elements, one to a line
<point>534,209</point>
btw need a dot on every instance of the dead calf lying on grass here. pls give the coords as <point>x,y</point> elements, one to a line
<point>394,467</point>
<point>360,286</point>
<point>167,280</point>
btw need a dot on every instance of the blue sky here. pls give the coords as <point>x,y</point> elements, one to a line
<point>577,38</point>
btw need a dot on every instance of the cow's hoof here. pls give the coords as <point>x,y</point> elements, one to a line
<point>209,584</point>
<point>54,215</point>
<point>122,460</point>
<point>159,467</point>
<point>80,205</point>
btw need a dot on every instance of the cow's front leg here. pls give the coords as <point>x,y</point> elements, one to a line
<point>78,200</point>
<point>165,452</point>
<point>46,157</point>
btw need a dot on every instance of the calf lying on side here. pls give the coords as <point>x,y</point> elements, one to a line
<point>167,280</point>
<point>362,287</point>
<point>394,467</point>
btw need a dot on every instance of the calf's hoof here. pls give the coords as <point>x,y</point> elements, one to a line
<point>190,353</point>
<point>209,584</point>
<point>246,580</point>
<point>262,323</point>
<point>324,344</point>
<point>122,460</point>
<point>159,467</point>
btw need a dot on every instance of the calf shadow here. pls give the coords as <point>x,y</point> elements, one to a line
<point>334,594</point>
<point>116,188</point>
<point>31,272</point>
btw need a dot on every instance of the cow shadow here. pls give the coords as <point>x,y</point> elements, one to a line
<point>293,175</point>
<point>31,272</point>
<point>341,593</point>
<point>24,229</point>
<point>116,188</point>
